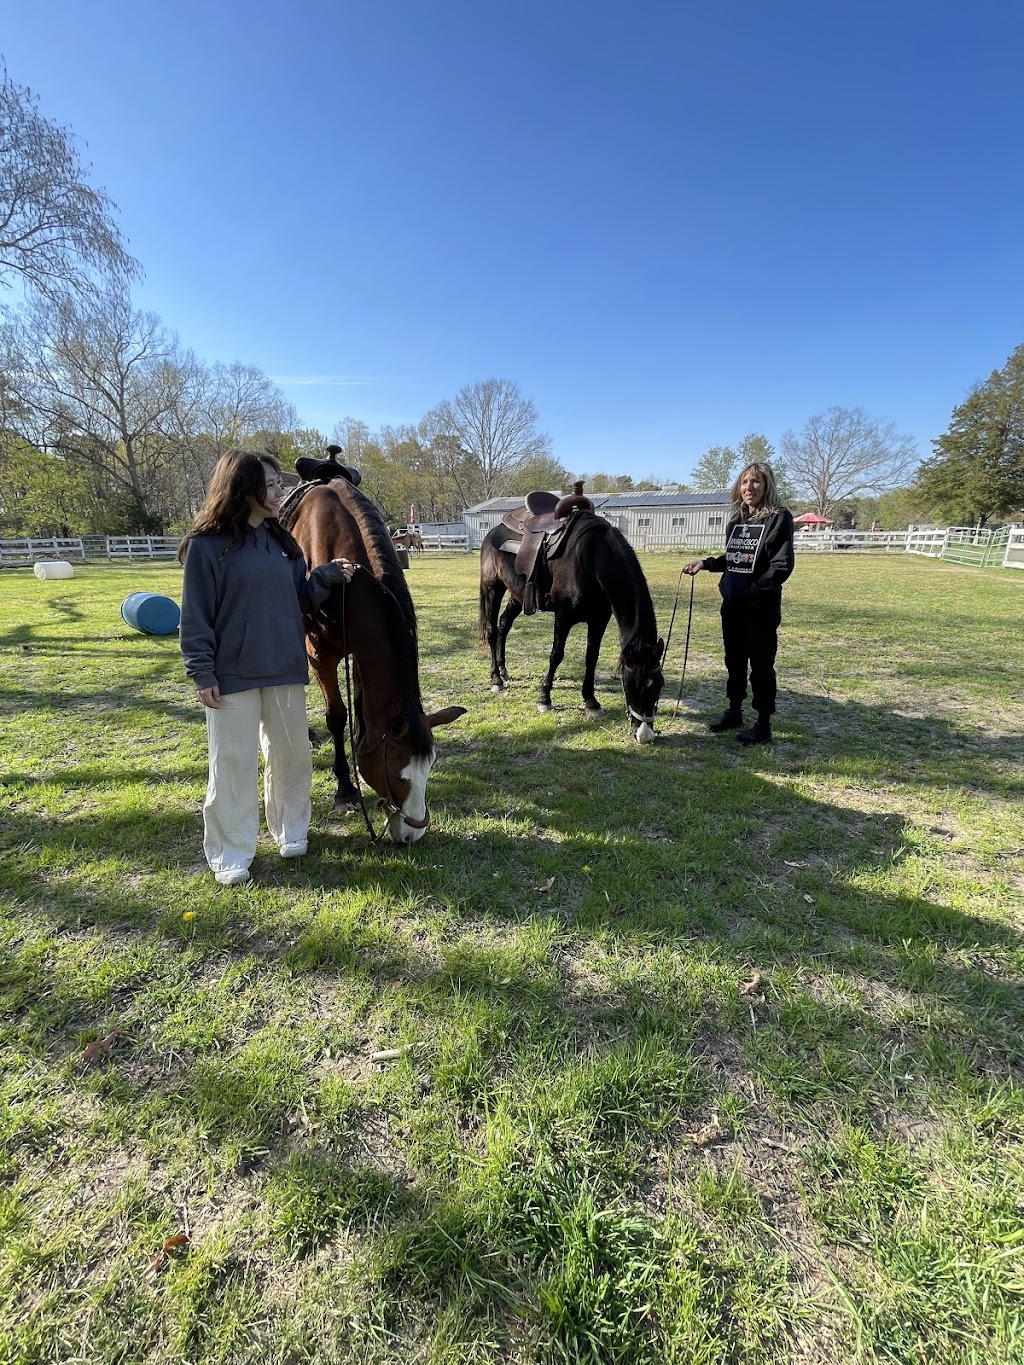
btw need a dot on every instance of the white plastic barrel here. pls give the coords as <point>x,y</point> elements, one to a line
<point>54,568</point>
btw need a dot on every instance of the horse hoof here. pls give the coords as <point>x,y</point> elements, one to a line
<point>645,734</point>
<point>345,805</point>
<point>592,712</point>
<point>498,687</point>
<point>543,706</point>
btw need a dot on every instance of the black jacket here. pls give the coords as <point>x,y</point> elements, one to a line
<point>757,561</point>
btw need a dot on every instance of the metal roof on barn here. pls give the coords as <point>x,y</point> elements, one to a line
<point>619,501</point>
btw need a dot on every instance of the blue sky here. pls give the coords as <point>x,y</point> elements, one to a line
<point>670,224</point>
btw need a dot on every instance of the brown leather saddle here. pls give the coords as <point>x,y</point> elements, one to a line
<point>538,534</point>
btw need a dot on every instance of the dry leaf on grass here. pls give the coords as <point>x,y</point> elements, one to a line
<point>545,886</point>
<point>96,1051</point>
<point>391,1054</point>
<point>713,1131</point>
<point>173,1246</point>
<point>752,986</point>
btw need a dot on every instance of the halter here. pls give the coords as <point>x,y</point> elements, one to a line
<point>389,803</point>
<point>635,715</point>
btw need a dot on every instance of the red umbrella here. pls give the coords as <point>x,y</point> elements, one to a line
<point>812,519</point>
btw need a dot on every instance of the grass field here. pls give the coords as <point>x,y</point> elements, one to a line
<point>711,1055</point>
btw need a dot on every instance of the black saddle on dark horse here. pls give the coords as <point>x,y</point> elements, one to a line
<point>323,471</point>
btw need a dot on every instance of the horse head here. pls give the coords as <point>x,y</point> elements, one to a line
<point>642,683</point>
<point>397,762</point>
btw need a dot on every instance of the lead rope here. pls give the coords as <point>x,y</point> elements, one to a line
<point>672,621</point>
<point>686,648</point>
<point>348,722</point>
<point>630,713</point>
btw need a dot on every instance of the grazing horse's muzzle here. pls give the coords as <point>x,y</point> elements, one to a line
<point>405,829</point>
<point>402,787</point>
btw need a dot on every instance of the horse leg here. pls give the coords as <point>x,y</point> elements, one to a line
<point>508,619</point>
<point>562,628</point>
<point>595,634</point>
<point>490,604</point>
<point>325,669</point>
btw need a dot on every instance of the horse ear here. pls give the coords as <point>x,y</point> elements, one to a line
<point>445,716</point>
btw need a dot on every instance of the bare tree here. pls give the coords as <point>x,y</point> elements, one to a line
<point>843,453</point>
<point>223,406</point>
<point>100,385</point>
<point>57,232</point>
<point>485,435</point>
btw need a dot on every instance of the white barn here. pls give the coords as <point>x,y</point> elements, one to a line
<point>692,521</point>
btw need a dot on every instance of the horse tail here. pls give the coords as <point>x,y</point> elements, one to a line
<point>487,572</point>
<point>481,625</point>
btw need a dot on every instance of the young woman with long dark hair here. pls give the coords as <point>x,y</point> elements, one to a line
<point>243,642</point>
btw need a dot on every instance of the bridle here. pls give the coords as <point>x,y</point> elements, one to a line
<point>634,718</point>
<point>387,802</point>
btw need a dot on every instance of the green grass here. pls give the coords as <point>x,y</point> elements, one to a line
<point>599,1148</point>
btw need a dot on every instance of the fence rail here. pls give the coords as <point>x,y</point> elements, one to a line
<point>142,547</point>
<point>970,545</point>
<point>41,547</point>
<point>441,542</point>
<point>1013,558</point>
<point>878,542</point>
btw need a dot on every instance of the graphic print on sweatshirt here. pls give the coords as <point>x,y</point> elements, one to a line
<point>744,543</point>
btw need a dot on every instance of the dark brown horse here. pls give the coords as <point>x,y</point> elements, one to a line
<point>373,620</point>
<point>596,574</point>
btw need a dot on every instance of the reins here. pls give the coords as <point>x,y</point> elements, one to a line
<point>390,805</point>
<point>649,720</point>
<point>348,719</point>
<point>686,647</point>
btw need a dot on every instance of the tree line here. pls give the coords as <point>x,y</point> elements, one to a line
<point>109,423</point>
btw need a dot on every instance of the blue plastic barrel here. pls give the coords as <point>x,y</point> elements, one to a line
<point>150,613</point>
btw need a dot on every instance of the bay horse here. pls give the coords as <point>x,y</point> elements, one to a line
<point>373,620</point>
<point>410,540</point>
<point>596,575</point>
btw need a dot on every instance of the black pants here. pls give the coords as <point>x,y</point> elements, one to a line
<point>750,633</point>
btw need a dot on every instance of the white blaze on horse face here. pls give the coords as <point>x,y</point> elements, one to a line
<point>415,772</point>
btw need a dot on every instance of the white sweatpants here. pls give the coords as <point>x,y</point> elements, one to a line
<point>274,719</point>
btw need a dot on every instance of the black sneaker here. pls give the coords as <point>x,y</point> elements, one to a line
<point>731,720</point>
<point>759,733</point>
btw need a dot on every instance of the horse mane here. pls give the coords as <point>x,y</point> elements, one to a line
<point>627,590</point>
<point>384,565</point>
<point>379,548</point>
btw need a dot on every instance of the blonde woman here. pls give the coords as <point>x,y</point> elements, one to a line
<point>757,561</point>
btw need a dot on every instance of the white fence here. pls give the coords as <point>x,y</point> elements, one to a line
<point>878,542</point>
<point>142,547</point>
<point>41,547</point>
<point>1014,557</point>
<point>443,542</point>
<point>976,546</point>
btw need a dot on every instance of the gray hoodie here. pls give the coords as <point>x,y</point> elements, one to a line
<point>241,613</point>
